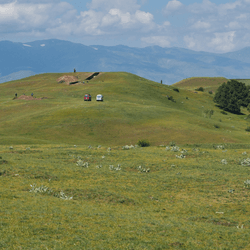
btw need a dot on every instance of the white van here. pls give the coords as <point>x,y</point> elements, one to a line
<point>99,98</point>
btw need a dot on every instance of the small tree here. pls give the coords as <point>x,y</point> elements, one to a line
<point>232,95</point>
<point>200,89</point>
<point>143,143</point>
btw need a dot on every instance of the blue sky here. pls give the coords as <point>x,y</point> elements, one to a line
<point>202,25</point>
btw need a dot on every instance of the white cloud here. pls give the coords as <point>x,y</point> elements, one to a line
<point>217,42</point>
<point>125,6</point>
<point>162,41</point>
<point>124,18</point>
<point>243,16</point>
<point>223,41</point>
<point>200,8</point>
<point>172,6</point>
<point>233,25</point>
<point>201,25</point>
<point>190,42</point>
<point>22,16</point>
<point>144,17</point>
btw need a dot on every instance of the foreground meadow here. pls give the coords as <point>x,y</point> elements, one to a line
<point>83,197</point>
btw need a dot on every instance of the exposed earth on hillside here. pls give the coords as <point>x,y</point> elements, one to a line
<point>29,98</point>
<point>67,79</point>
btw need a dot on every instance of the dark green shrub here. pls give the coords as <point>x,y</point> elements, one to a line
<point>143,143</point>
<point>248,129</point>
<point>224,112</point>
<point>170,98</point>
<point>216,126</point>
<point>187,98</point>
<point>200,89</point>
<point>175,89</point>
<point>210,92</point>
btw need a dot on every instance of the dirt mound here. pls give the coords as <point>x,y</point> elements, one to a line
<point>67,79</point>
<point>28,98</point>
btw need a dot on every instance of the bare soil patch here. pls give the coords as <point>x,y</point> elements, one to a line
<point>67,79</point>
<point>29,98</point>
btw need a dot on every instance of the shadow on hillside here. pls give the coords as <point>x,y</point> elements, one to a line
<point>231,112</point>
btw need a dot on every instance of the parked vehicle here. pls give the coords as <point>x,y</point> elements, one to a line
<point>99,98</point>
<point>87,97</point>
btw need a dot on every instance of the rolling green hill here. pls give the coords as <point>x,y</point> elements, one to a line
<point>134,108</point>
<point>56,192</point>
<point>208,83</point>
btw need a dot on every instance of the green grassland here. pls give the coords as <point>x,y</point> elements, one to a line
<point>134,108</point>
<point>61,190</point>
<point>208,83</point>
<point>192,203</point>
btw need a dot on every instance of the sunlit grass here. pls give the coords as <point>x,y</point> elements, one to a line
<point>148,199</point>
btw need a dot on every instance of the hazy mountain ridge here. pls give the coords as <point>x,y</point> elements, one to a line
<point>154,63</point>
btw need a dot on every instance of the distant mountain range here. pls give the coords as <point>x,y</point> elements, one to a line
<point>19,60</point>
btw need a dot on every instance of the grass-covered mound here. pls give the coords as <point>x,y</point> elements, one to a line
<point>134,108</point>
<point>208,83</point>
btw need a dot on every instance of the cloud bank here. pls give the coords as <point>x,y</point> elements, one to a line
<point>204,26</point>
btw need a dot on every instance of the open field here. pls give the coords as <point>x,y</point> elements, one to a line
<point>197,202</point>
<point>134,108</point>
<point>68,183</point>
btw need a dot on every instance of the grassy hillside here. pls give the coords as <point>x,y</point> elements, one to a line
<point>134,108</point>
<point>208,83</point>
<point>57,192</point>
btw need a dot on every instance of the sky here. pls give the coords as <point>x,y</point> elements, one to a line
<point>202,25</point>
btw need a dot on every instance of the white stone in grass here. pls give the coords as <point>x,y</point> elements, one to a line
<point>180,156</point>
<point>224,161</point>
<point>175,149</point>
<point>80,163</point>
<point>246,162</point>
<point>128,147</point>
